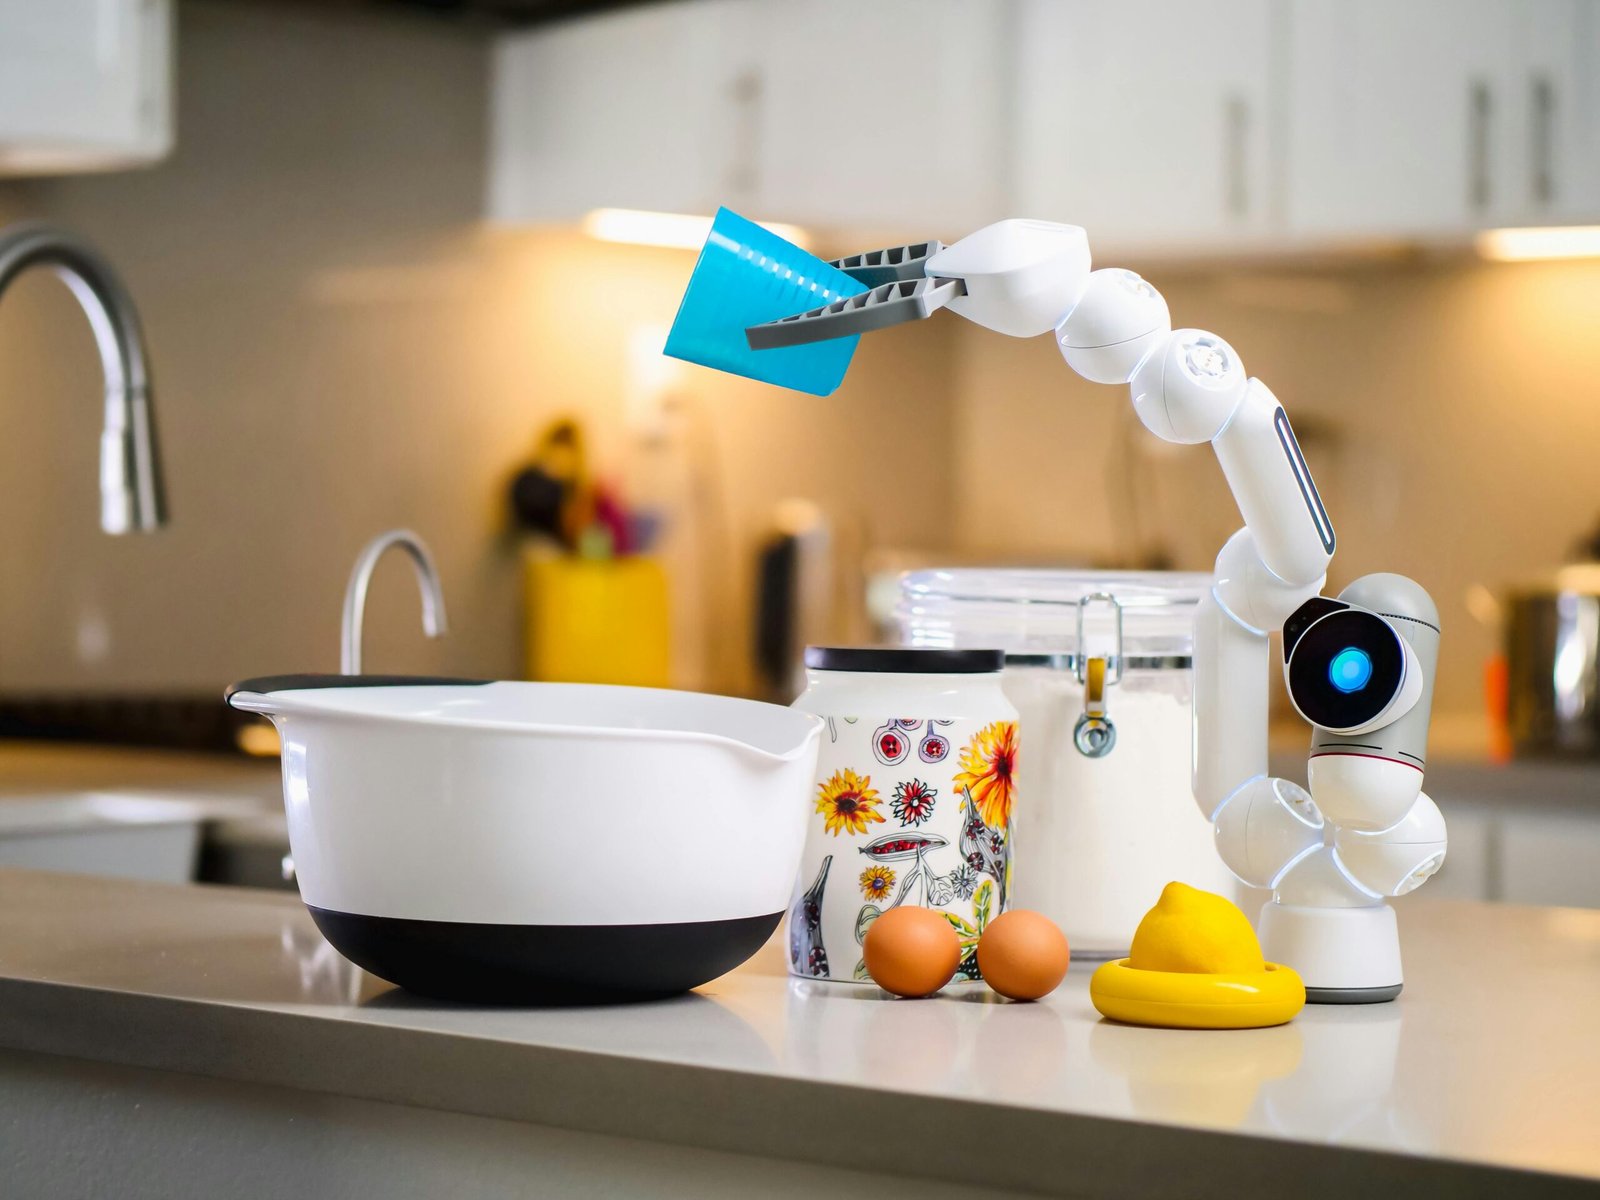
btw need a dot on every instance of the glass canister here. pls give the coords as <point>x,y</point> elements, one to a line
<point>916,785</point>
<point>1100,666</point>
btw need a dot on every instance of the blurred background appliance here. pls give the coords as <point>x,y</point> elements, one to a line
<point>1552,637</point>
<point>794,596</point>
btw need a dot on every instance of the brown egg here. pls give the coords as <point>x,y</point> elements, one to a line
<point>1023,955</point>
<point>911,951</point>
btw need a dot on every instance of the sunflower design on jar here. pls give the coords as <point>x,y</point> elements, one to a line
<point>848,803</point>
<point>913,802</point>
<point>988,772</point>
<point>876,881</point>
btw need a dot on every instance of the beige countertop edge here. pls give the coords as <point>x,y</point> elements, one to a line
<point>1002,1146</point>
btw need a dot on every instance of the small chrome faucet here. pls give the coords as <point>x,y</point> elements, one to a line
<point>132,496</point>
<point>355,595</point>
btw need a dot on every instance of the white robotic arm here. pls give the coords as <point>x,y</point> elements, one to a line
<point>1359,667</point>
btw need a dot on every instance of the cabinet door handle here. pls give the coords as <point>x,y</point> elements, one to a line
<point>1480,103</point>
<point>743,168</point>
<point>1236,136</point>
<point>1544,111</point>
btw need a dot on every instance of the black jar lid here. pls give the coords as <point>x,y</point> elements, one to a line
<point>904,660</point>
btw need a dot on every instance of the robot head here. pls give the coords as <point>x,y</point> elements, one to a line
<point>1349,671</point>
<point>1360,670</point>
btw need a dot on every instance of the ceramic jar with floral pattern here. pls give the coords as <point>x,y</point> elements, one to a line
<point>913,802</point>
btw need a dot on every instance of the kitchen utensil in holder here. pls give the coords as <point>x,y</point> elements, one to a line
<point>597,620</point>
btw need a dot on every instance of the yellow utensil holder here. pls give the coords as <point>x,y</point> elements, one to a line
<point>598,620</point>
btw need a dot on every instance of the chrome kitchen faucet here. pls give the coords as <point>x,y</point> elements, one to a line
<point>355,595</point>
<point>131,491</point>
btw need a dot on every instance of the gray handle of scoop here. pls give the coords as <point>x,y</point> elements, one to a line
<point>885,305</point>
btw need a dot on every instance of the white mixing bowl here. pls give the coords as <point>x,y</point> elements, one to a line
<point>530,841</point>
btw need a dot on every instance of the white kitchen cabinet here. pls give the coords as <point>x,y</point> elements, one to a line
<point>881,117</point>
<point>1150,122</point>
<point>1467,873</point>
<point>1394,129</point>
<point>1433,118</point>
<point>84,84</point>
<point>888,117</point>
<point>652,108</point>
<point>1553,91</point>
<point>1183,125</point>
<point>1550,858</point>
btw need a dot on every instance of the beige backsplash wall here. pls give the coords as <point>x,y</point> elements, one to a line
<point>341,347</point>
<point>1451,413</point>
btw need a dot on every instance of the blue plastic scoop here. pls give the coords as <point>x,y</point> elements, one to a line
<point>747,275</point>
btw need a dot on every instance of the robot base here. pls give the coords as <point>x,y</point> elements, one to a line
<point>1344,955</point>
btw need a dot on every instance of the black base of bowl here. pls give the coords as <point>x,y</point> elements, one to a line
<point>543,964</point>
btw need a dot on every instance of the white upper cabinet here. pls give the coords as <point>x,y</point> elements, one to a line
<point>1191,126</point>
<point>1553,89</point>
<point>1432,118</point>
<point>888,116</point>
<point>85,85</point>
<point>651,108</point>
<point>834,113</point>
<point>1149,122</point>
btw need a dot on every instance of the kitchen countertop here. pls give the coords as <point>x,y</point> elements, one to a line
<point>1484,1076</point>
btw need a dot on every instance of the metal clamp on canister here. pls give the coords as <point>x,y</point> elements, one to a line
<point>1094,734</point>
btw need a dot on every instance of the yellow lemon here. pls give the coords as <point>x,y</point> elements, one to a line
<point>1197,933</point>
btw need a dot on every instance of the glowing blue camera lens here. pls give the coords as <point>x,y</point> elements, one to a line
<point>1350,670</point>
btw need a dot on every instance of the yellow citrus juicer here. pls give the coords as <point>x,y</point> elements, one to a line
<point>1195,963</point>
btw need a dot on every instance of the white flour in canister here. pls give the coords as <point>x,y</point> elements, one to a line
<point>1097,837</point>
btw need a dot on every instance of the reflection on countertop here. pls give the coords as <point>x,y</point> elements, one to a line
<point>237,984</point>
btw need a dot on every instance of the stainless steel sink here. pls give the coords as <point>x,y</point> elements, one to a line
<point>127,834</point>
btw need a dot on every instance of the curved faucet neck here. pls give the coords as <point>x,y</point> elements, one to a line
<point>434,623</point>
<point>132,494</point>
